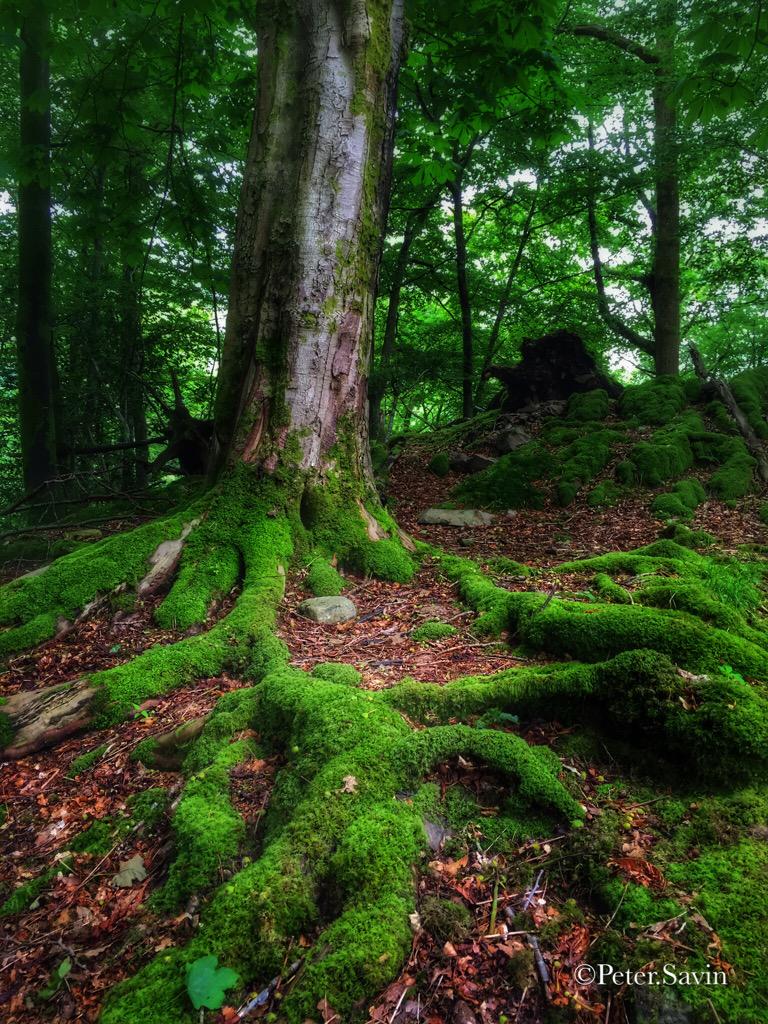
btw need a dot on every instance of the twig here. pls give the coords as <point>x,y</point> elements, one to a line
<point>532,892</point>
<point>541,966</point>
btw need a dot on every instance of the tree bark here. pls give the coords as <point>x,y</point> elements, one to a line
<point>378,383</point>
<point>38,384</point>
<point>665,274</point>
<point>308,236</point>
<point>465,305</point>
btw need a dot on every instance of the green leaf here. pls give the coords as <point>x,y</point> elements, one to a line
<point>207,982</point>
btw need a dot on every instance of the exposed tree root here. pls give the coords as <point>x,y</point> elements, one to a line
<point>340,843</point>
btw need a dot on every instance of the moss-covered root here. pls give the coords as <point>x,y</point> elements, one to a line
<point>33,606</point>
<point>717,726</point>
<point>339,849</point>
<point>593,632</point>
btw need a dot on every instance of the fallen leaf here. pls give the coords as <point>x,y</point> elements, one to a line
<point>131,871</point>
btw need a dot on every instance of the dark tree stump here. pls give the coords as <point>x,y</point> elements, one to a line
<point>552,368</point>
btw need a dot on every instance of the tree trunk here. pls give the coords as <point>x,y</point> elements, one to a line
<point>134,473</point>
<point>308,237</point>
<point>38,385</point>
<point>467,341</point>
<point>501,311</point>
<point>665,277</point>
<point>379,382</point>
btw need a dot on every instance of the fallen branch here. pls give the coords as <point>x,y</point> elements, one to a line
<point>726,396</point>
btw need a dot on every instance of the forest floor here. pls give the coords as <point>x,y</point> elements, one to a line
<point>88,926</point>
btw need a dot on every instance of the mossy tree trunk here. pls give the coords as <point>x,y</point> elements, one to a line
<point>308,237</point>
<point>38,390</point>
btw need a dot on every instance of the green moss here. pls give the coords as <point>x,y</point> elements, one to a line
<point>657,401</point>
<point>511,481</point>
<point>429,631</point>
<point>207,830</point>
<point>323,580</point>
<point>589,406</point>
<point>583,460</point>
<point>501,565</point>
<point>24,895</point>
<point>7,732</point>
<point>724,878</point>
<point>689,538</point>
<point>86,761</point>
<point>685,497</point>
<point>209,570</point>
<point>605,495</point>
<point>763,513</point>
<point>734,479</point>
<point>440,464</point>
<point>750,389</point>
<point>384,559</point>
<point>666,456</point>
<point>337,672</point>
<point>149,807</point>
<point>445,920</point>
<point>334,832</point>
<point>610,591</point>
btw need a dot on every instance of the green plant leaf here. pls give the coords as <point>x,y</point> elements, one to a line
<point>207,982</point>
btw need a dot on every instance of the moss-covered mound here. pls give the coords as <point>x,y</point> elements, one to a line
<point>659,433</point>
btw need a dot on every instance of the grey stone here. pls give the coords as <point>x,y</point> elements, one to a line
<point>455,517</point>
<point>328,610</point>
<point>512,439</point>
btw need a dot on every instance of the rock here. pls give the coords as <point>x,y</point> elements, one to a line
<point>437,833</point>
<point>463,462</point>
<point>511,439</point>
<point>328,610</point>
<point>455,517</point>
<point>467,542</point>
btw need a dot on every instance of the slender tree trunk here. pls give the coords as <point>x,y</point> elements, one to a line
<point>467,340</point>
<point>665,277</point>
<point>308,237</point>
<point>493,337</point>
<point>378,383</point>
<point>38,384</point>
<point>131,362</point>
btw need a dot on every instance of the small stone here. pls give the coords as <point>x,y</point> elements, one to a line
<point>462,1013</point>
<point>328,610</point>
<point>455,517</point>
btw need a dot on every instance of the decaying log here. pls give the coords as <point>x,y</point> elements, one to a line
<point>43,717</point>
<point>726,396</point>
<point>551,368</point>
<point>164,562</point>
